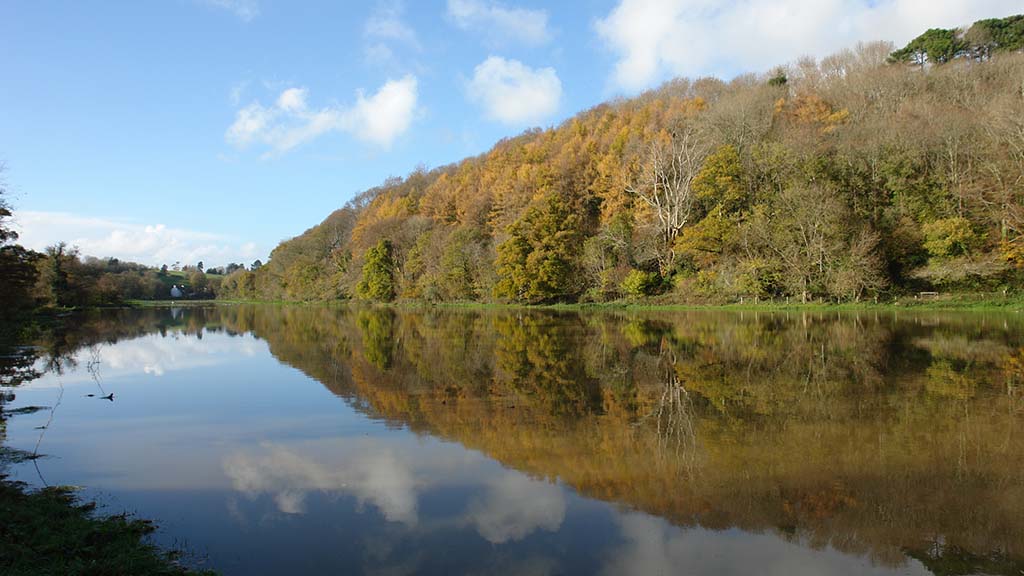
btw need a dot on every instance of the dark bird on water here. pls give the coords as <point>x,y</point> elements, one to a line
<point>107,397</point>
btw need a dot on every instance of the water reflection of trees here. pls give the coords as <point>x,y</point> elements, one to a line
<point>866,432</point>
<point>829,429</point>
<point>536,358</point>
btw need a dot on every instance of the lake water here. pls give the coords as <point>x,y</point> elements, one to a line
<point>346,440</point>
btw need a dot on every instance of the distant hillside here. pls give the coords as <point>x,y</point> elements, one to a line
<point>870,172</point>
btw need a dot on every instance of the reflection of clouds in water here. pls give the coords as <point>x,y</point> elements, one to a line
<point>157,355</point>
<point>374,475</point>
<point>652,546</point>
<point>390,477</point>
<point>515,506</point>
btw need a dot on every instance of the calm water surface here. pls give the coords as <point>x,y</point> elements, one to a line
<point>273,440</point>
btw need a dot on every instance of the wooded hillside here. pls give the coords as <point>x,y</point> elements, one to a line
<point>870,172</point>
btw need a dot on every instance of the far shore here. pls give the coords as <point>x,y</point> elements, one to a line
<point>953,302</point>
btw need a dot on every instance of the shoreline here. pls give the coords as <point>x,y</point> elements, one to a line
<point>953,303</point>
<point>50,530</point>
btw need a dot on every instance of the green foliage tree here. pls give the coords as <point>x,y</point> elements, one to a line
<point>949,237</point>
<point>54,277</point>
<point>18,274</point>
<point>539,260</point>
<point>378,280</point>
<point>461,265</point>
<point>6,233</point>
<point>992,35</point>
<point>935,46</point>
<point>638,283</point>
<point>719,183</point>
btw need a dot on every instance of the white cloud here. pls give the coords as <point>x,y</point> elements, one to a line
<point>387,114</point>
<point>387,24</point>
<point>249,123</point>
<point>515,506</point>
<point>245,10</point>
<point>292,100</point>
<point>153,244</point>
<point>379,118</point>
<point>513,93</point>
<point>499,23</point>
<point>653,39</point>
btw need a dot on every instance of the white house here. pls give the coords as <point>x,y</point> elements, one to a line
<point>175,291</point>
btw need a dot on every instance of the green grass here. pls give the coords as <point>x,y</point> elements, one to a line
<point>968,302</point>
<point>965,302</point>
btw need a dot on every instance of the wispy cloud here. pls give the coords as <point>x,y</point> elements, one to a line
<point>654,39</point>
<point>245,10</point>
<point>385,31</point>
<point>379,118</point>
<point>153,244</point>
<point>499,23</point>
<point>388,25</point>
<point>513,93</point>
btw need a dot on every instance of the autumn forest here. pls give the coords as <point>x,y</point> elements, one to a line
<point>871,172</point>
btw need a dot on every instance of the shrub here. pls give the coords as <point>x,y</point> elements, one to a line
<point>949,237</point>
<point>639,283</point>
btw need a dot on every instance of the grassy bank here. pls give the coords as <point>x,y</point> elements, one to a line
<point>965,302</point>
<point>50,532</point>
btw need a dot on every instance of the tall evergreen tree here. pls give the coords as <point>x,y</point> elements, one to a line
<point>378,281</point>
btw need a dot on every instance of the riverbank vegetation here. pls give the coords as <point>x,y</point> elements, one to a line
<point>872,172</point>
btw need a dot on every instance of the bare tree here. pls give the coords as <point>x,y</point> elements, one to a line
<point>665,184</point>
<point>1005,163</point>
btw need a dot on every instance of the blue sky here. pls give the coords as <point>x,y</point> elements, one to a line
<point>184,130</point>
